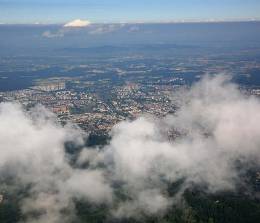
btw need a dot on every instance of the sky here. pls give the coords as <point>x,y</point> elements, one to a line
<point>61,11</point>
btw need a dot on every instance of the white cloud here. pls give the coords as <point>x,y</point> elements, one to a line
<point>219,126</point>
<point>32,150</point>
<point>151,201</point>
<point>78,23</point>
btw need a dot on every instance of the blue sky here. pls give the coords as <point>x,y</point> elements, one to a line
<point>60,11</point>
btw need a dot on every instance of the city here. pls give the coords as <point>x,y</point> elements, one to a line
<point>98,94</point>
<point>138,111</point>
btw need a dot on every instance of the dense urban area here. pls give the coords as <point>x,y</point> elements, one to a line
<point>97,94</point>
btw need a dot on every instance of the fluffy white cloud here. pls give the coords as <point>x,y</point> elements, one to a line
<point>78,23</point>
<point>219,126</point>
<point>32,150</point>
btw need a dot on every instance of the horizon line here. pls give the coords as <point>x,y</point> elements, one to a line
<point>145,22</point>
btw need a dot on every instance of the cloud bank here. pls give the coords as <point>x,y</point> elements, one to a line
<point>217,126</point>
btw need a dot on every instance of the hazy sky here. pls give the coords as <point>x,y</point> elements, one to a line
<point>59,11</point>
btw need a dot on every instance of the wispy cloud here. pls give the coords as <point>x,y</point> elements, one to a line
<point>105,28</point>
<point>49,34</point>
<point>93,29</point>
